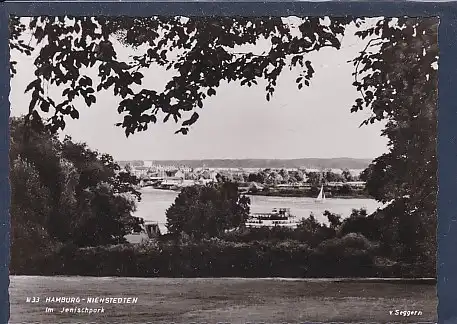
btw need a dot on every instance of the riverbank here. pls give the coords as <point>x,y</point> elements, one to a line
<point>154,204</point>
<point>233,300</point>
<point>282,193</point>
<point>305,195</point>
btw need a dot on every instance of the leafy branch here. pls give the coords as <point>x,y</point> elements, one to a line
<point>206,56</point>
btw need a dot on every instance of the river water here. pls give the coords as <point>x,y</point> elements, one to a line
<point>155,202</point>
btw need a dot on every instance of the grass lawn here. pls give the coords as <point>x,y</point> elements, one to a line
<point>165,300</point>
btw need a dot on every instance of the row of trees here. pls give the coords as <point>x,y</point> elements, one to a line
<point>65,193</point>
<point>218,212</point>
<point>395,75</point>
<point>359,246</point>
<point>207,211</point>
<point>282,176</point>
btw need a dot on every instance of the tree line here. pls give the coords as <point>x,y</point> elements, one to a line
<point>63,192</point>
<point>71,204</point>
<point>395,76</point>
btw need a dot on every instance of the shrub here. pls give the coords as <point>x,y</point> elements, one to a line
<point>359,222</point>
<point>350,243</point>
<point>350,256</point>
<point>207,211</point>
<point>259,234</point>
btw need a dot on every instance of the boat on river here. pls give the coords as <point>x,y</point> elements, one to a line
<point>321,197</point>
<point>277,217</point>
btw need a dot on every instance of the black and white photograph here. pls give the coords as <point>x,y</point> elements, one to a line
<point>223,169</point>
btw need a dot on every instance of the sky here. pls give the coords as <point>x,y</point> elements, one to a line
<point>238,122</point>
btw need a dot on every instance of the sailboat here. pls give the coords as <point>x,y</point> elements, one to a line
<point>321,196</point>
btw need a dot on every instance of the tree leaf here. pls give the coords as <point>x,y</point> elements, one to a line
<point>74,114</point>
<point>32,85</point>
<point>45,106</point>
<point>191,120</point>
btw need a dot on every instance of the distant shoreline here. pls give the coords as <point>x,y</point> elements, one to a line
<point>311,163</point>
<point>284,195</point>
<point>294,195</point>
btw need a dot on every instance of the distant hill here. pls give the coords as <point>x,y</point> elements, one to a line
<point>317,163</point>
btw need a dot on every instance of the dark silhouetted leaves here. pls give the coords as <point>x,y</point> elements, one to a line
<point>191,120</point>
<point>200,68</point>
<point>45,106</point>
<point>398,83</point>
<point>182,130</point>
<point>32,85</point>
<point>393,75</point>
<point>74,114</point>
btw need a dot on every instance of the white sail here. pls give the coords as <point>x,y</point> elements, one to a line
<point>321,196</point>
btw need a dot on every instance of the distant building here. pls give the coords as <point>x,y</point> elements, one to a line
<point>188,183</point>
<point>255,186</point>
<point>204,181</point>
<point>213,176</point>
<point>356,172</point>
<point>357,184</point>
<point>165,167</point>
<point>274,176</point>
<point>291,169</point>
<point>140,171</point>
<point>335,184</point>
<point>352,184</point>
<point>172,181</point>
<point>185,169</point>
<point>252,170</point>
<point>204,174</point>
<point>179,174</point>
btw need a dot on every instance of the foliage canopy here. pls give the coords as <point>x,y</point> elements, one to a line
<point>395,75</point>
<point>207,211</point>
<point>67,192</point>
<point>204,51</point>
